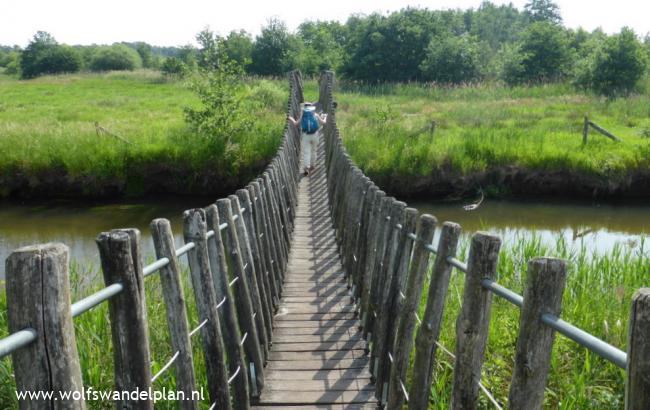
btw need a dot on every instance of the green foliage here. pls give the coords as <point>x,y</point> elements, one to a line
<point>543,10</point>
<point>210,53</point>
<point>452,60</point>
<point>12,66</point>
<point>221,119</point>
<point>614,67</point>
<point>238,47</point>
<point>174,66</point>
<point>321,47</point>
<point>270,55</point>
<point>44,55</point>
<point>146,55</point>
<point>116,57</point>
<point>543,54</point>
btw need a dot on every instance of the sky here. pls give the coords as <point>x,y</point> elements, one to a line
<point>173,23</point>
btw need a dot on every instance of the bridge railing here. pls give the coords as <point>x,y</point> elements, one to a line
<point>237,251</point>
<point>386,249</point>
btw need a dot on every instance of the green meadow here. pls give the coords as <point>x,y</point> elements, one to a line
<point>486,127</point>
<point>123,133</point>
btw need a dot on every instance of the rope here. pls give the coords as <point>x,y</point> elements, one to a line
<point>165,367</point>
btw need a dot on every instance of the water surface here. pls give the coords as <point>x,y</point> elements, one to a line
<point>598,227</point>
<point>78,224</point>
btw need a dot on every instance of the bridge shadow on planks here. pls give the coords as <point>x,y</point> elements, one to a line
<point>318,359</point>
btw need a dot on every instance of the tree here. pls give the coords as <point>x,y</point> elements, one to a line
<point>321,47</point>
<point>146,54</point>
<point>238,47</point>
<point>44,55</point>
<point>452,59</point>
<point>270,54</point>
<point>543,54</point>
<point>115,57</point>
<point>173,66</point>
<point>209,54</point>
<point>616,66</point>
<point>543,10</point>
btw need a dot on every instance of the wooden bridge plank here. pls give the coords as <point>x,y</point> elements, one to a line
<point>317,359</point>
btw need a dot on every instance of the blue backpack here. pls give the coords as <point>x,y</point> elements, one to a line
<point>309,122</point>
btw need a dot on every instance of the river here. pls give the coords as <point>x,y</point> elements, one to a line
<point>599,227</point>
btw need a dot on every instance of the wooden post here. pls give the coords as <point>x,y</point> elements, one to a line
<point>392,301</point>
<point>195,230</point>
<point>425,346</point>
<point>258,259</point>
<point>370,259</point>
<point>585,131</point>
<point>474,320</point>
<point>172,288</point>
<point>268,245</point>
<point>119,251</point>
<point>242,244</point>
<point>637,385</point>
<point>386,290</point>
<point>38,296</point>
<point>363,240</point>
<point>543,294</point>
<point>245,309</point>
<point>227,312</point>
<point>377,264</point>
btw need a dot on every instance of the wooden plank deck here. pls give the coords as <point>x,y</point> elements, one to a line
<point>317,360</point>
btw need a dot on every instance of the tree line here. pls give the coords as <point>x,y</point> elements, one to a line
<point>490,43</point>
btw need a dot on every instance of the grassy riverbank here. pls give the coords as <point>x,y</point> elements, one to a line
<point>597,299</point>
<point>50,145</point>
<point>506,140</point>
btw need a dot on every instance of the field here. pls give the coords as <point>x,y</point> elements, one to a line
<point>505,140</point>
<point>47,127</point>
<point>50,144</point>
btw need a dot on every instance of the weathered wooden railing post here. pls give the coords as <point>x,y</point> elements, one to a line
<point>245,308</point>
<point>195,231</point>
<point>172,288</point>
<point>385,289</point>
<point>637,385</point>
<point>268,244</point>
<point>38,297</point>
<point>474,320</point>
<point>243,248</point>
<point>391,303</point>
<point>375,216</point>
<point>227,311</point>
<point>425,341</point>
<point>257,259</point>
<point>543,294</point>
<point>119,251</point>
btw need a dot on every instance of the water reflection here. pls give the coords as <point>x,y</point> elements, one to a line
<point>78,224</point>
<point>597,227</point>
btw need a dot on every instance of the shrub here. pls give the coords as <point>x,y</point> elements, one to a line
<point>543,54</point>
<point>220,119</point>
<point>44,55</point>
<point>115,57</point>
<point>615,67</point>
<point>451,60</point>
<point>173,66</point>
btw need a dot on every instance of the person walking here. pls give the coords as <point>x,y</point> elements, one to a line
<point>311,123</point>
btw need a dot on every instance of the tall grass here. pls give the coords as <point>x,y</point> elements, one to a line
<point>486,126</point>
<point>597,299</point>
<point>47,130</point>
<point>93,333</point>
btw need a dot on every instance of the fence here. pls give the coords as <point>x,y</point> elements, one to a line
<point>237,252</point>
<point>385,249</point>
